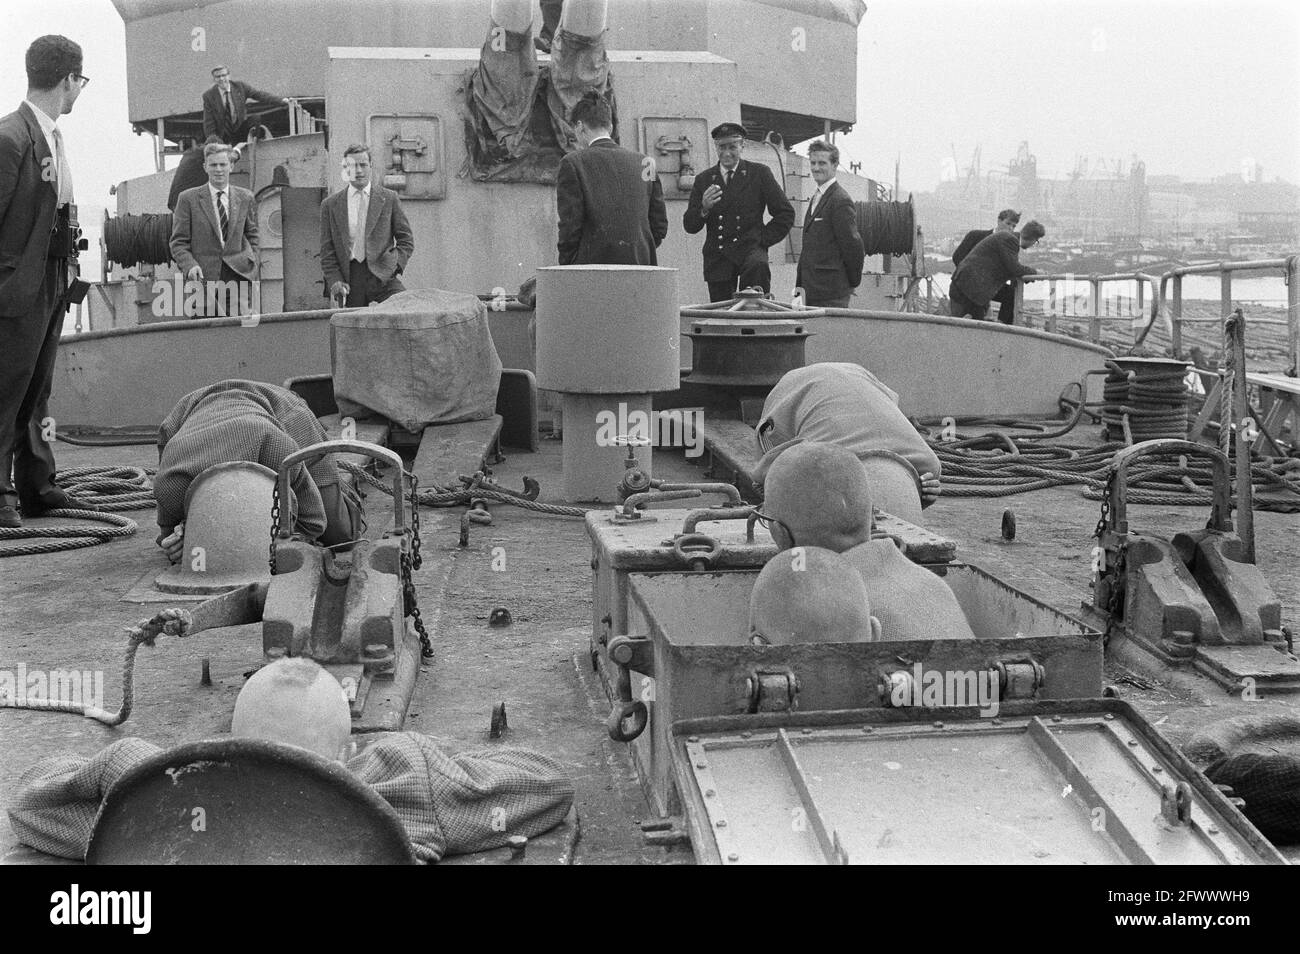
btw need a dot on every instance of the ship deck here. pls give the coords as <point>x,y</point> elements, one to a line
<point>66,610</point>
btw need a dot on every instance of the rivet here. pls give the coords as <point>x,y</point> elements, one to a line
<point>1133,743</point>
<point>733,857</point>
<point>701,764</point>
<point>1156,768</point>
<point>721,823</point>
<point>709,793</point>
<point>1109,717</point>
<point>807,731</point>
<point>1212,830</point>
<point>693,738</point>
<point>938,725</point>
<point>1056,718</point>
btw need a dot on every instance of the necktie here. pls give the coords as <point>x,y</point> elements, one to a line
<point>812,207</point>
<point>230,107</point>
<point>359,231</point>
<point>726,178</point>
<point>221,210</point>
<point>64,172</point>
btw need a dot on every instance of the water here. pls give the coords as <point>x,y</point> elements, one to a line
<point>1247,289</point>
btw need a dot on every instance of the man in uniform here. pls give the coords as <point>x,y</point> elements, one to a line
<point>731,199</point>
<point>609,198</point>
<point>830,262</point>
<point>35,245</point>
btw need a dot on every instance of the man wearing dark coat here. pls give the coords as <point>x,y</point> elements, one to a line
<point>610,202</point>
<point>731,198</point>
<point>830,262</point>
<point>993,262</point>
<point>35,245</point>
<point>225,107</point>
<point>1008,219</point>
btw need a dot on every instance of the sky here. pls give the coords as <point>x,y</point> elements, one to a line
<point>1193,88</point>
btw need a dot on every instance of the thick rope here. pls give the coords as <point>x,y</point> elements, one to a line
<point>109,489</point>
<point>886,227</point>
<point>171,622</point>
<point>139,239</point>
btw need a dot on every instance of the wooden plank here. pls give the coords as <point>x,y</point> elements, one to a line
<point>449,450</point>
<point>734,453</point>
<point>1274,382</point>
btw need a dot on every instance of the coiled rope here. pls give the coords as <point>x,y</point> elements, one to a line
<point>887,228</point>
<point>110,489</point>
<point>143,239</point>
<point>1144,403</point>
<point>170,622</point>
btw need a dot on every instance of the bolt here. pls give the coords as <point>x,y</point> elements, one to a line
<point>709,793</point>
<point>1109,717</point>
<point>1157,769</point>
<point>1212,830</point>
<point>721,823</point>
<point>938,725</point>
<point>701,764</point>
<point>1133,743</point>
<point>1056,718</point>
<point>205,679</point>
<point>807,731</point>
<point>518,845</point>
<point>733,856</point>
<point>693,738</point>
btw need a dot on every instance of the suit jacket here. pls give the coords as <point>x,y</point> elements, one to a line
<point>196,233</point>
<point>830,264</point>
<point>990,265</point>
<point>736,232</point>
<point>215,117</point>
<point>389,240</point>
<point>188,175</point>
<point>972,239</point>
<point>609,213</point>
<point>28,218</point>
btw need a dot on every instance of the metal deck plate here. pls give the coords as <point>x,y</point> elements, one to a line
<point>1064,783</point>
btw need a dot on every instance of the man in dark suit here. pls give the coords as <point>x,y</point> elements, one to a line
<point>35,244</point>
<point>830,264</point>
<point>993,262</point>
<point>610,201</point>
<point>364,230</point>
<point>1008,219</point>
<point>190,172</point>
<point>225,107</point>
<point>730,198</point>
<point>214,237</point>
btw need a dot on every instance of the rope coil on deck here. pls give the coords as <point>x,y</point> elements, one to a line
<point>110,489</point>
<point>1150,402</point>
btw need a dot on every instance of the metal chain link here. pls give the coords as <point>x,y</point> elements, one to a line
<point>275,521</point>
<point>410,562</point>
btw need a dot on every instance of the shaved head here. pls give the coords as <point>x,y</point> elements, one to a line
<point>296,702</point>
<point>821,494</point>
<point>810,595</point>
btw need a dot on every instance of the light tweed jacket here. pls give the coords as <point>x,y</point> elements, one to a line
<point>442,800</point>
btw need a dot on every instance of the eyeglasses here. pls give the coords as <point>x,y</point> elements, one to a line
<point>83,80</point>
<point>767,520</point>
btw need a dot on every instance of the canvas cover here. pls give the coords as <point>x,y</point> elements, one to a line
<point>422,357</point>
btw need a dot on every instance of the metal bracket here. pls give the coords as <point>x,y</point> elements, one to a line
<point>633,652</point>
<point>768,691</point>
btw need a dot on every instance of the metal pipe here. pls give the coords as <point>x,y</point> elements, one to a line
<point>1176,316</point>
<point>1293,310</point>
<point>1240,412</point>
<point>1209,268</point>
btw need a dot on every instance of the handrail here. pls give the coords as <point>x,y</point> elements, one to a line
<point>1160,294</point>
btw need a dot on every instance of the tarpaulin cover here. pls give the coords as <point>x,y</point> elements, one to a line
<point>517,127</point>
<point>422,357</point>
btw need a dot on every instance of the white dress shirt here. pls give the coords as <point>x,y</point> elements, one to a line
<point>817,196</point>
<point>62,177</point>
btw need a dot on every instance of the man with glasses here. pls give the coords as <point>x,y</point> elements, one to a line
<point>989,266</point>
<point>817,495</point>
<point>225,107</point>
<point>36,243</point>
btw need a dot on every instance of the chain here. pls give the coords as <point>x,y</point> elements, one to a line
<point>1104,522</point>
<point>1117,572</point>
<point>410,562</point>
<point>275,520</point>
